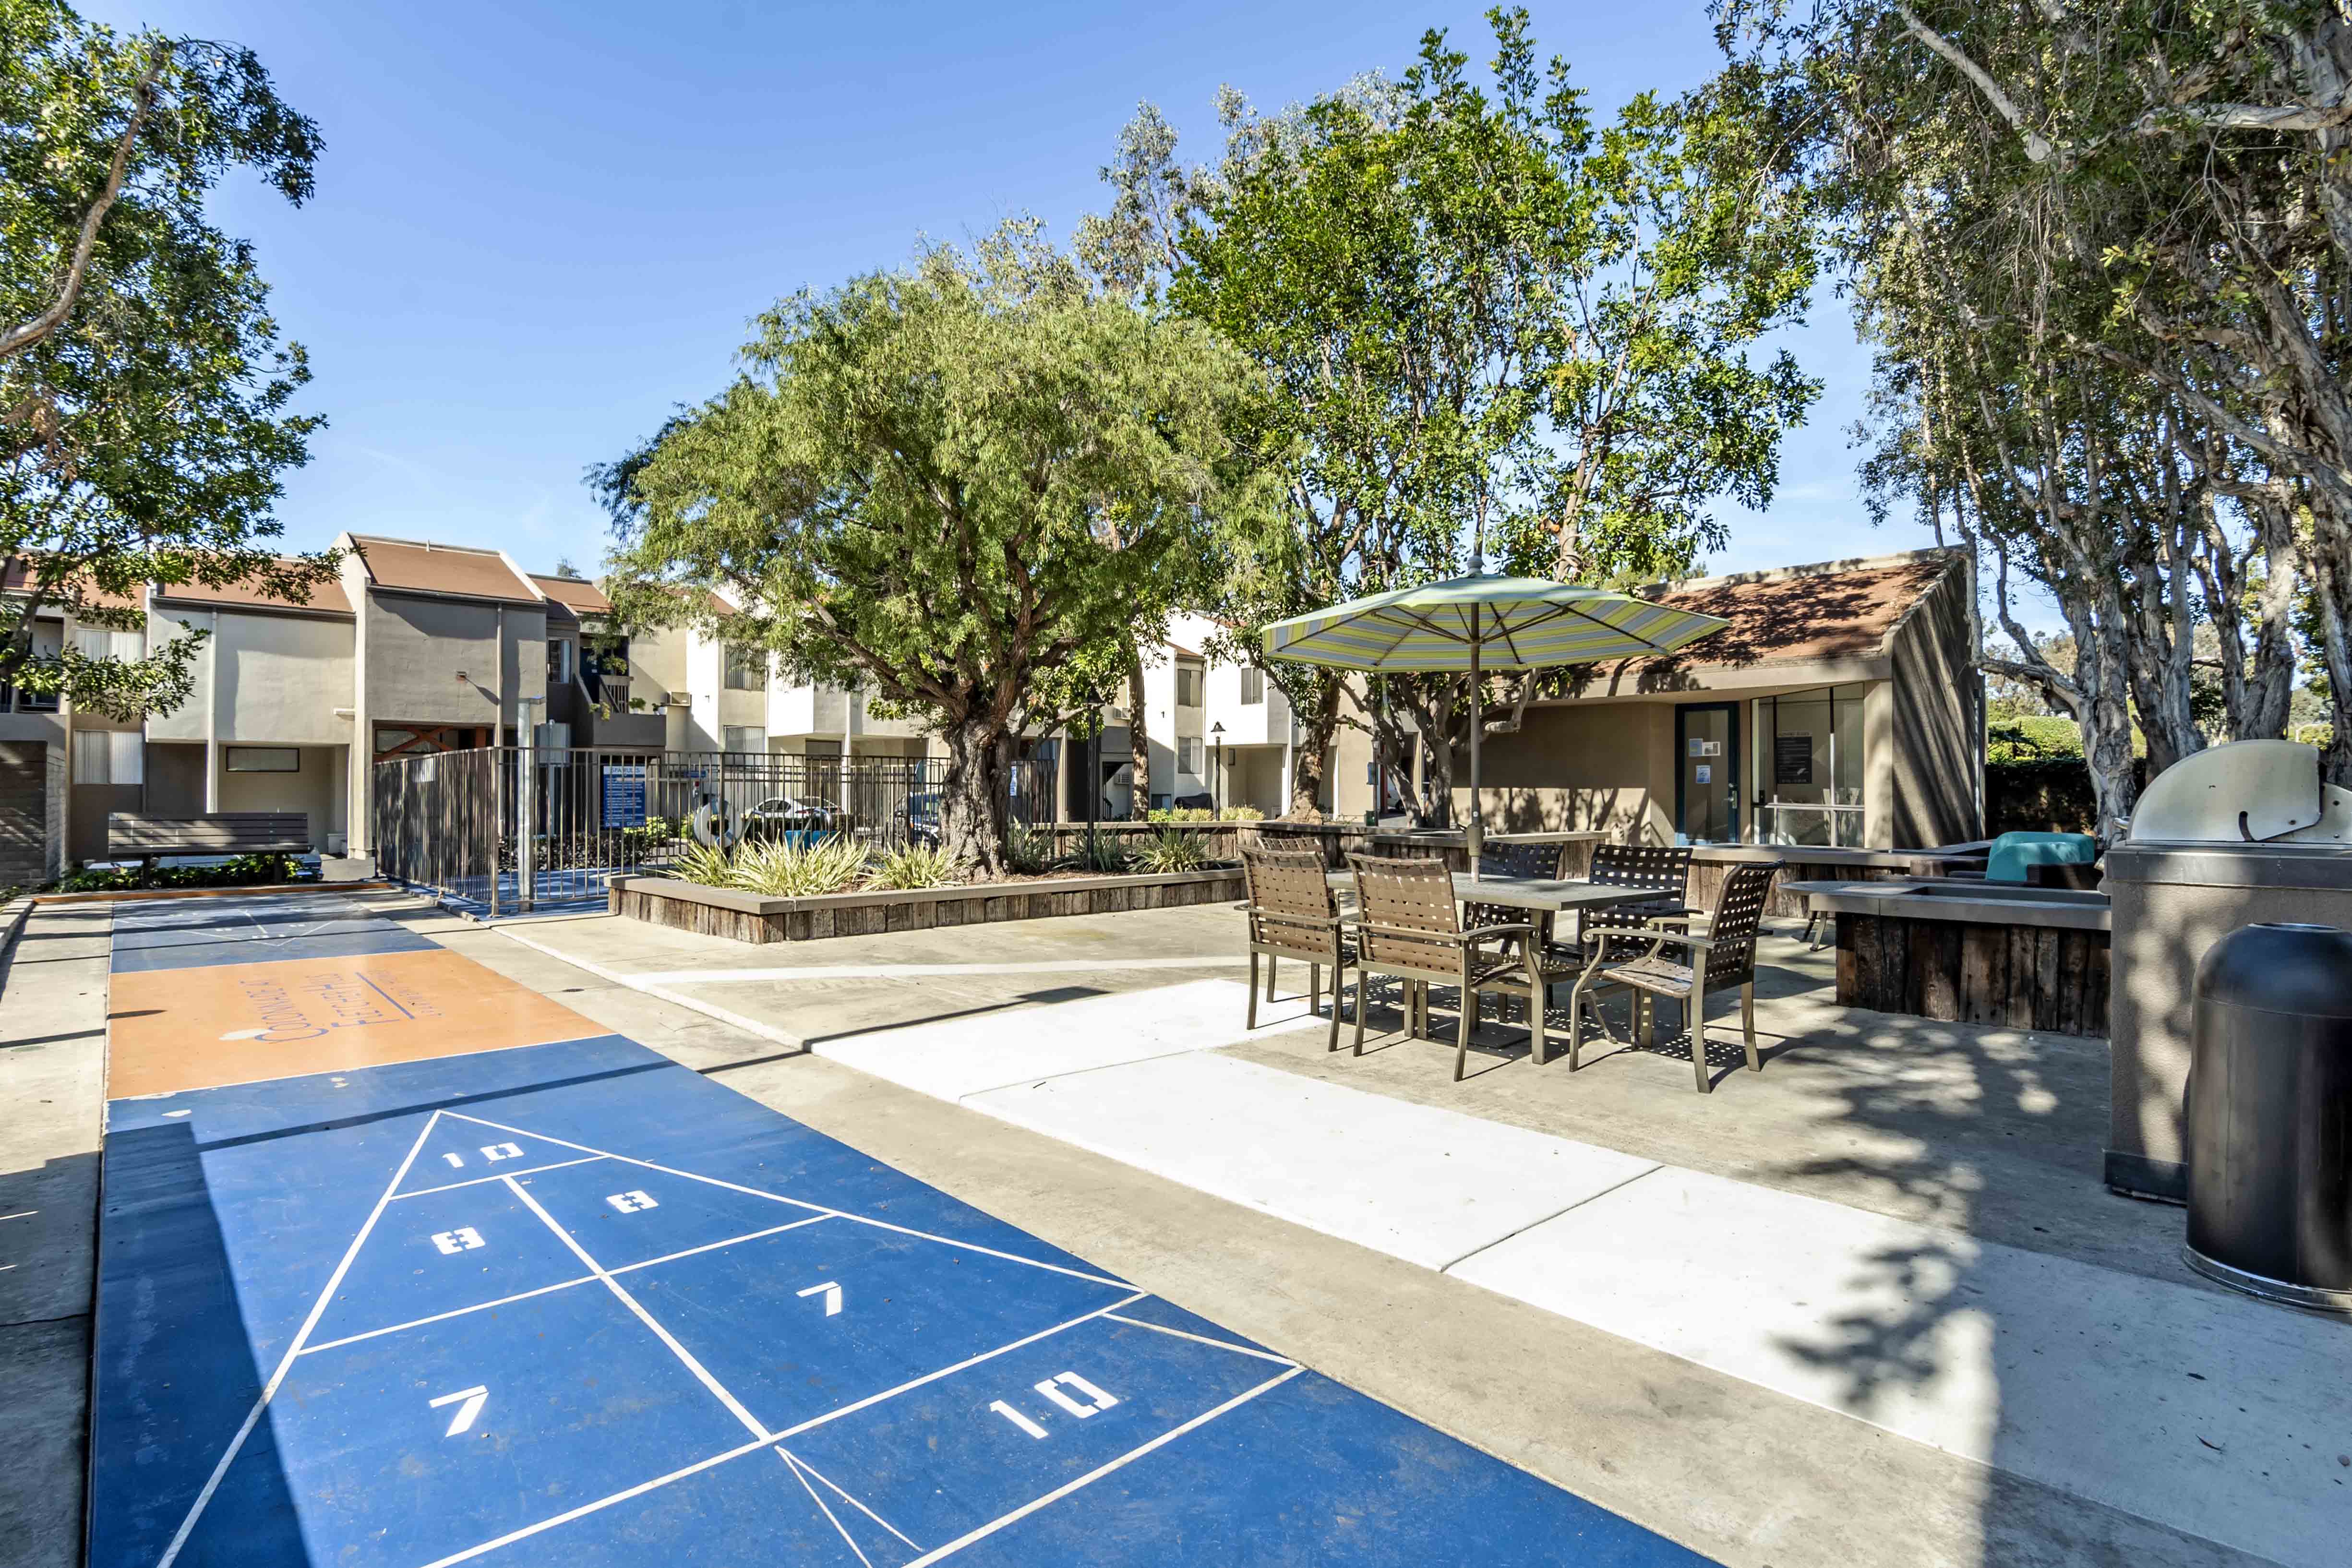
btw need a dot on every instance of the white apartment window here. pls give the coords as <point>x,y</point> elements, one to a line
<point>558,662</point>
<point>1188,685</point>
<point>109,757</point>
<point>98,642</point>
<point>1252,687</point>
<point>262,759</point>
<point>747,670</point>
<point>1188,755</point>
<point>748,737</point>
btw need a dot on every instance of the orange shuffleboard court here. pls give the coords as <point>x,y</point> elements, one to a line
<point>173,1029</point>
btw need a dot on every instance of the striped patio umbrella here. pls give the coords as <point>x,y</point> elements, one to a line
<point>1476,623</point>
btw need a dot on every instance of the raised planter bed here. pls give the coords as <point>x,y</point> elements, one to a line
<point>1971,952</point>
<point>751,918</point>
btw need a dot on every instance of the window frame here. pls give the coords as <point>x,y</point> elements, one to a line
<point>229,754</point>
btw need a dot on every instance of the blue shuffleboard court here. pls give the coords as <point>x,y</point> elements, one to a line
<point>566,1301</point>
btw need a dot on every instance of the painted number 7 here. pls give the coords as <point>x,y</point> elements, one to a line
<point>469,1403</point>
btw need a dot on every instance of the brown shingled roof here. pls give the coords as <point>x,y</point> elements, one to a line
<point>581,596</point>
<point>17,576</point>
<point>425,568</point>
<point>326,598</point>
<point>1811,614</point>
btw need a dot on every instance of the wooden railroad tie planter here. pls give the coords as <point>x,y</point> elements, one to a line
<point>2052,978</point>
<point>753,918</point>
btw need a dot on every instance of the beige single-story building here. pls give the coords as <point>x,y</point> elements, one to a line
<point>1840,706</point>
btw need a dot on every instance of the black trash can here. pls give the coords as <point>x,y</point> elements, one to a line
<point>2270,1115</point>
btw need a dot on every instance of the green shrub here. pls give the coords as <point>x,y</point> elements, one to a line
<point>704,865</point>
<point>1100,853</point>
<point>1027,850</point>
<point>782,868</point>
<point>915,866</point>
<point>243,871</point>
<point>1158,814</point>
<point>1169,851</point>
<point>1244,814</point>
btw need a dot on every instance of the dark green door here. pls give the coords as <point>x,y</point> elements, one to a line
<point>1707,772</point>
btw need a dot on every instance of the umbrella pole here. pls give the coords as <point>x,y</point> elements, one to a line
<point>1476,838</point>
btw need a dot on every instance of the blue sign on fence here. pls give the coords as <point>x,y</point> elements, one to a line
<point>624,795</point>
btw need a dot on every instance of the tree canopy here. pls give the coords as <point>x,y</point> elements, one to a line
<point>1483,318</point>
<point>145,392</point>
<point>2120,236</point>
<point>968,486</point>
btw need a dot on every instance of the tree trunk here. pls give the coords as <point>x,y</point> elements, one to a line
<point>2103,717</point>
<point>973,799</point>
<point>1316,724</point>
<point>1139,743</point>
<point>2331,564</point>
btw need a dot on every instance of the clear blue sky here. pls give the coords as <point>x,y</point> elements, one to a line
<point>540,226</point>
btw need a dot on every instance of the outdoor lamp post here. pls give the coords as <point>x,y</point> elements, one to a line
<point>1217,769</point>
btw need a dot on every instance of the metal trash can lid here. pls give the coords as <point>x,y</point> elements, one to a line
<point>2281,967</point>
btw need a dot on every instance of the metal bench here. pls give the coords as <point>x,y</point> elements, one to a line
<point>131,836</point>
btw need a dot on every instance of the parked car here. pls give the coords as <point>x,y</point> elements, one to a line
<point>779,815</point>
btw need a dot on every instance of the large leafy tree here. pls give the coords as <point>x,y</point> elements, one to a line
<point>144,392</point>
<point>971,487</point>
<point>2183,166</point>
<point>1483,318</point>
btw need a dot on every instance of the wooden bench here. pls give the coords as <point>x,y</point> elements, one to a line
<point>131,836</point>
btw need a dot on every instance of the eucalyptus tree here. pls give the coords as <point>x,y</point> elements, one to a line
<point>968,486</point>
<point>144,392</point>
<point>2189,164</point>
<point>1483,318</point>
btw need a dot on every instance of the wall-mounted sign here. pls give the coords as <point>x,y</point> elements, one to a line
<point>624,795</point>
<point>1793,759</point>
<point>1705,771</point>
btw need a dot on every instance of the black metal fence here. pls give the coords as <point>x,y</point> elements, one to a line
<point>454,821</point>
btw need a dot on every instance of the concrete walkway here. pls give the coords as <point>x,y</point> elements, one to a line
<point>2215,1416</point>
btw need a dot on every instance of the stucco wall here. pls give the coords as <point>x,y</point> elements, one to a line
<point>272,679</point>
<point>416,646</point>
<point>1602,766</point>
<point>316,790</point>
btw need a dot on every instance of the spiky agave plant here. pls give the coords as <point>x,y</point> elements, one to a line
<point>1171,850</point>
<point>914,866</point>
<point>787,868</point>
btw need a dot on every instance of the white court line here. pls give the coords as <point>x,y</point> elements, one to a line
<point>270,1389</point>
<point>701,1373</point>
<point>453,1312</point>
<point>935,971</point>
<point>477,1181</point>
<point>801,1203</point>
<point>847,1540</point>
<point>565,1284</point>
<point>852,1501</point>
<point>700,1466</point>
<point>1059,1492</point>
<point>1201,1338</point>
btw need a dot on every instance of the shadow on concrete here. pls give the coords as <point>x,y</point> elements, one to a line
<point>176,1374</point>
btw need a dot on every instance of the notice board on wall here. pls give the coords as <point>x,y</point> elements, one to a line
<point>1793,759</point>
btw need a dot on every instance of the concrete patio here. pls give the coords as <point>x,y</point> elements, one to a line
<point>1869,1306</point>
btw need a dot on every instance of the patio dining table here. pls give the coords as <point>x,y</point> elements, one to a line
<point>1529,893</point>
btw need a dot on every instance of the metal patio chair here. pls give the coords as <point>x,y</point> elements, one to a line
<point>1663,869</point>
<point>1723,957</point>
<point>1293,914</point>
<point>1409,926</point>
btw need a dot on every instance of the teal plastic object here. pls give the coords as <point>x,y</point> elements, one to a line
<point>2012,853</point>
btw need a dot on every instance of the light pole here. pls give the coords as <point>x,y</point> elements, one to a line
<point>1217,770</point>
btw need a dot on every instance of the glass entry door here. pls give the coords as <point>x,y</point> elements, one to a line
<point>1707,772</point>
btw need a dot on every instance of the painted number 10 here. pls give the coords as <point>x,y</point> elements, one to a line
<point>1057,1390</point>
